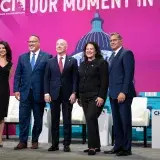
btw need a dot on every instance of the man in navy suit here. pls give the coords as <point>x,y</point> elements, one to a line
<point>60,86</point>
<point>29,90</point>
<point>121,93</point>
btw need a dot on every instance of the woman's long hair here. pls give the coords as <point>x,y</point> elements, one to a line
<point>8,51</point>
<point>98,54</point>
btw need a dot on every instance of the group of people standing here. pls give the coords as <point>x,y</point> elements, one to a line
<point>41,78</point>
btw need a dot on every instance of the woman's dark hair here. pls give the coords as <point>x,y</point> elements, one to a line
<point>8,50</point>
<point>97,49</point>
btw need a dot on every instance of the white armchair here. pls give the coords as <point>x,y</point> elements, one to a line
<point>13,113</point>
<point>140,115</point>
<point>77,115</point>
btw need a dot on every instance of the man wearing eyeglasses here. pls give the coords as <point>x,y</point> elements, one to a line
<point>28,89</point>
<point>121,93</point>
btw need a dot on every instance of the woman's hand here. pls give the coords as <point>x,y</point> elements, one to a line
<point>99,101</point>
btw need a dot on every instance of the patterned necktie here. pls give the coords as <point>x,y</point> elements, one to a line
<point>111,59</point>
<point>60,64</point>
<point>33,61</point>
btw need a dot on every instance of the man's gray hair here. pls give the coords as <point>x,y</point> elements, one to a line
<point>116,34</point>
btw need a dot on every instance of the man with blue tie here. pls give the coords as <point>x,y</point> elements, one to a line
<point>28,89</point>
<point>60,86</point>
<point>121,93</point>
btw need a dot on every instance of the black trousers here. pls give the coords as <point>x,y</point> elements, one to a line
<point>55,119</point>
<point>92,112</point>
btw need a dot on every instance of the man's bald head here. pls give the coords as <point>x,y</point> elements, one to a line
<point>61,46</point>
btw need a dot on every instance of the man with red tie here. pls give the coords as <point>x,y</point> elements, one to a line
<point>60,87</point>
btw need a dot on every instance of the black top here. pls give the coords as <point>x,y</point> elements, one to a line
<point>93,78</point>
<point>4,89</point>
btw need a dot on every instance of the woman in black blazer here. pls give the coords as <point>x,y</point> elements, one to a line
<point>93,86</point>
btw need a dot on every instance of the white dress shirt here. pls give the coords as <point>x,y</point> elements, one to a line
<point>63,60</point>
<point>117,51</point>
<point>36,55</point>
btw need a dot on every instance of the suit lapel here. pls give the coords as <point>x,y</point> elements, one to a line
<point>66,63</point>
<point>115,59</point>
<point>28,61</point>
<point>38,59</point>
<point>56,64</point>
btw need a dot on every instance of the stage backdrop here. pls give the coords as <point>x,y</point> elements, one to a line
<point>79,21</point>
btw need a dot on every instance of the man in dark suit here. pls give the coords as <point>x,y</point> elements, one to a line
<point>28,89</point>
<point>60,84</point>
<point>121,93</point>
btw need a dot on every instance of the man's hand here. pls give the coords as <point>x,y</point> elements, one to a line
<point>121,97</point>
<point>72,98</point>
<point>79,102</point>
<point>17,95</point>
<point>99,101</point>
<point>47,98</point>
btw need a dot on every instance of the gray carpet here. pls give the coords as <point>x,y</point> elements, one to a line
<point>7,153</point>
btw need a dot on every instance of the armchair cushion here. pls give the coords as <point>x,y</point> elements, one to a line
<point>13,111</point>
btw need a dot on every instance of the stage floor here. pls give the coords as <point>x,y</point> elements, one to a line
<point>7,153</point>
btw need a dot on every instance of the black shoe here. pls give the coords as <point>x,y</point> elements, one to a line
<point>66,149</point>
<point>91,152</point>
<point>124,153</point>
<point>1,145</point>
<point>53,148</point>
<point>112,151</point>
<point>96,149</point>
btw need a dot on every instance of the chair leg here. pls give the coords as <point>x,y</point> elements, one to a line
<point>7,134</point>
<point>112,136</point>
<point>145,136</point>
<point>83,133</point>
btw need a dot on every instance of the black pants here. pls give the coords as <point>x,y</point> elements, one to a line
<point>55,118</point>
<point>92,112</point>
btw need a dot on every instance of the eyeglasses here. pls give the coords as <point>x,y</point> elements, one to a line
<point>32,41</point>
<point>114,40</point>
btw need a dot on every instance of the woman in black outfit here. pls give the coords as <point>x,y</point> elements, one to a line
<point>5,70</point>
<point>93,88</point>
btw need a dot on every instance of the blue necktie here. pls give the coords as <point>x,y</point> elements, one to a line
<point>111,59</point>
<point>33,61</point>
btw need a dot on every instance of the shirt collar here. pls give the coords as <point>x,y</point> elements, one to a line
<point>117,50</point>
<point>37,52</point>
<point>58,56</point>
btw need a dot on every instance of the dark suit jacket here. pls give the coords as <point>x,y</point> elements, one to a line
<point>121,74</point>
<point>25,78</point>
<point>93,78</point>
<point>67,81</point>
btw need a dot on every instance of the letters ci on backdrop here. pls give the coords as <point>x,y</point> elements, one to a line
<point>44,6</point>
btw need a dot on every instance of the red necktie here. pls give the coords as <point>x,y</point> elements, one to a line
<point>60,64</point>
